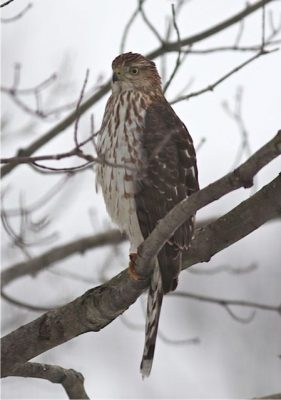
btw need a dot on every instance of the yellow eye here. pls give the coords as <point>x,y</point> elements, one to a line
<point>134,70</point>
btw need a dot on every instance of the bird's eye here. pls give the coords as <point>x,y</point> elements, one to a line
<point>134,70</point>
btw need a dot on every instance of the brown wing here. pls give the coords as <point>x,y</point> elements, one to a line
<point>170,175</point>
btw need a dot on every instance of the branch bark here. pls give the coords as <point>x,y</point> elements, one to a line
<point>37,264</point>
<point>99,306</point>
<point>162,49</point>
<point>240,177</point>
<point>71,380</point>
<point>271,396</point>
<point>198,37</point>
<point>236,224</point>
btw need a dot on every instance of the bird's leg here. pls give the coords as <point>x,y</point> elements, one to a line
<point>132,267</point>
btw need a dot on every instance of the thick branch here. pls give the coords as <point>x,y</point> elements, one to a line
<point>198,37</point>
<point>239,222</point>
<point>99,306</point>
<point>37,264</point>
<point>71,380</point>
<point>240,177</point>
<point>271,396</point>
<point>164,48</point>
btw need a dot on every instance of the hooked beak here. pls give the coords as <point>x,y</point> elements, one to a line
<point>115,77</point>
<point>117,74</point>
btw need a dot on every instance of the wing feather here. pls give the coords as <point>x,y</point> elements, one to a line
<point>170,175</point>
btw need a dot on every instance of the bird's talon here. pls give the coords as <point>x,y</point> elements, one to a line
<point>131,269</point>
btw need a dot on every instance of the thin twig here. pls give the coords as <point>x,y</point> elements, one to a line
<point>226,302</point>
<point>211,87</point>
<point>170,25</point>
<point>24,305</point>
<point>223,268</point>
<point>43,200</point>
<point>6,3</point>
<point>127,28</point>
<point>77,145</point>
<point>239,33</point>
<point>198,37</point>
<point>177,342</point>
<point>17,16</point>
<point>242,49</point>
<point>36,91</point>
<point>263,28</point>
<point>163,49</point>
<point>179,61</point>
<point>236,115</point>
<point>242,176</point>
<point>57,253</point>
<point>148,23</point>
<point>71,380</point>
<point>78,168</point>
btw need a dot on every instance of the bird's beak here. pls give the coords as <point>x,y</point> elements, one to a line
<point>117,74</point>
<point>114,77</point>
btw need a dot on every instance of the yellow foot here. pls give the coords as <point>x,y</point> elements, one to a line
<point>131,269</point>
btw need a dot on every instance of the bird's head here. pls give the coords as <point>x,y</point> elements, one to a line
<point>132,71</point>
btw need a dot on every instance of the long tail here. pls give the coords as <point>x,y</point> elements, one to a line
<point>154,302</point>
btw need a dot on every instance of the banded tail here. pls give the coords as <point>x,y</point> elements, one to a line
<point>154,302</point>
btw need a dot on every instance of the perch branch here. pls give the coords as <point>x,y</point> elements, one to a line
<point>240,177</point>
<point>71,380</point>
<point>99,306</point>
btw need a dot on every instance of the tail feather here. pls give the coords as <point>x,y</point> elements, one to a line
<point>154,302</point>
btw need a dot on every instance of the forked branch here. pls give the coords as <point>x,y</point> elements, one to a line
<point>102,304</point>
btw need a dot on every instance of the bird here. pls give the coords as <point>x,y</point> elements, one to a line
<point>148,166</point>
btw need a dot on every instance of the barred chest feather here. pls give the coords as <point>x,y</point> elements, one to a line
<point>119,143</point>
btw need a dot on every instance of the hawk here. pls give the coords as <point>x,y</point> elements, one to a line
<point>149,166</point>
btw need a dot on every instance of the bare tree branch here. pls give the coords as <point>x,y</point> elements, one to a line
<point>19,15</point>
<point>102,304</point>
<point>224,268</point>
<point>37,264</point>
<point>242,49</point>
<point>71,380</point>
<point>36,91</point>
<point>179,60</point>
<point>240,177</point>
<point>198,37</point>
<point>128,26</point>
<point>236,115</point>
<point>211,87</point>
<point>6,3</point>
<point>77,109</point>
<point>76,151</point>
<point>166,47</point>
<point>271,396</point>
<point>99,306</point>
<point>228,302</point>
<point>42,200</point>
<point>148,23</point>
<point>22,304</point>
